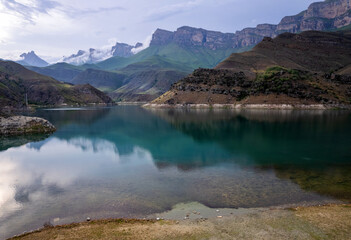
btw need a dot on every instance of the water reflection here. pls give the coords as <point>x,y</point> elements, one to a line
<point>131,162</point>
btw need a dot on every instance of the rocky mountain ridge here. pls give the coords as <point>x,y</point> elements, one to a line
<point>320,16</point>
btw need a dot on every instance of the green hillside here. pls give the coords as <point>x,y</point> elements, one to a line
<point>17,82</point>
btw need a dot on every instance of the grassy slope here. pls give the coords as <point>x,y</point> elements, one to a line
<point>103,80</point>
<point>309,51</point>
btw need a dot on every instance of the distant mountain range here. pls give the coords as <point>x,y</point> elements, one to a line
<point>98,55</point>
<point>129,75</point>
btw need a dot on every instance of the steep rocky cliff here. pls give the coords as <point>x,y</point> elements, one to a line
<point>320,16</point>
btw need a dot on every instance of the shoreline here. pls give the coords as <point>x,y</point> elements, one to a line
<point>193,217</point>
<point>250,106</point>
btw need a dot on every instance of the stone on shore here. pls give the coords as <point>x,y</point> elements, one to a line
<point>20,125</point>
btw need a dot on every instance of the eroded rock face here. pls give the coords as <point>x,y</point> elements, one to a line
<point>319,16</point>
<point>20,125</point>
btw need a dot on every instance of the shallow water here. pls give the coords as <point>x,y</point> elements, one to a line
<point>127,161</point>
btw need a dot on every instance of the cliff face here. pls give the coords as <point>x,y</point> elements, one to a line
<point>193,37</point>
<point>320,16</point>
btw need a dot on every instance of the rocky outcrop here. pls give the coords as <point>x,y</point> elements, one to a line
<point>20,125</point>
<point>320,16</point>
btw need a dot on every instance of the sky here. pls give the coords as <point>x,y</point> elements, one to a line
<point>57,28</point>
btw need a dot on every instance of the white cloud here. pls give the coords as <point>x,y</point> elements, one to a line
<point>170,10</point>
<point>145,45</point>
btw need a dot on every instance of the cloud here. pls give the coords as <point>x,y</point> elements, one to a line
<point>171,10</point>
<point>28,8</point>
<point>145,45</point>
<point>78,12</point>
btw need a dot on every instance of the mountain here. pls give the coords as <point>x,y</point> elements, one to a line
<point>308,51</point>
<point>320,16</point>
<point>98,55</point>
<point>180,47</point>
<point>189,48</point>
<point>124,50</point>
<point>31,59</point>
<point>296,69</point>
<point>17,83</point>
<point>148,79</point>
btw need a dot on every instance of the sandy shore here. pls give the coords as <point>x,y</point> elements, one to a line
<point>314,222</point>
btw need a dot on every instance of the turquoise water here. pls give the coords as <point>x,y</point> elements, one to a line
<point>127,161</point>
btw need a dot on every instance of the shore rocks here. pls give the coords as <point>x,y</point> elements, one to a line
<point>20,125</point>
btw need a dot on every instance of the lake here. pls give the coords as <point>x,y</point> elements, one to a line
<point>127,161</point>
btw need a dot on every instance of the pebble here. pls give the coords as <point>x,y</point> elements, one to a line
<point>219,216</point>
<point>88,219</point>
